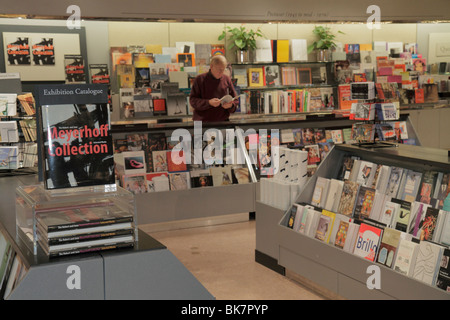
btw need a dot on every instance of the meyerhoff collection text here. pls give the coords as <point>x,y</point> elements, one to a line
<point>77,145</point>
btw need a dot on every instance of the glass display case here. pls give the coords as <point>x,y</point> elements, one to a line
<point>75,220</point>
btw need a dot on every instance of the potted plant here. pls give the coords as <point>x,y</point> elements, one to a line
<point>243,40</point>
<point>325,43</point>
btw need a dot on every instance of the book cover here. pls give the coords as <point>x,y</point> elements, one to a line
<point>221,175</point>
<point>348,198</point>
<point>427,185</point>
<point>179,180</point>
<point>388,247</point>
<point>443,278</point>
<point>272,75</point>
<point>402,219</point>
<point>255,77</point>
<point>74,68</point>
<point>157,181</point>
<point>99,73</point>
<point>427,263</point>
<point>406,257</point>
<point>364,203</point>
<point>428,225</point>
<point>176,161</point>
<point>75,136</point>
<point>325,226</point>
<point>135,183</point>
<point>368,241</point>
<point>341,234</point>
<point>159,161</point>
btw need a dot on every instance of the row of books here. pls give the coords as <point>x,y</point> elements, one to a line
<point>395,249</point>
<point>84,228</point>
<point>12,268</point>
<point>144,103</point>
<point>275,76</point>
<point>182,180</point>
<point>286,101</point>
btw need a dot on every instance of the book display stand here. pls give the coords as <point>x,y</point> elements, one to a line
<point>75,220</point>
<point>338,271</point>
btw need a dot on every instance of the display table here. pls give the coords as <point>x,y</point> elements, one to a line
<point>147,271</point>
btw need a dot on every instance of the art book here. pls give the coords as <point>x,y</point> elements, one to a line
<point>364,202</point>
<point>388,247</point>
<point>367,242</point>
<point>348,198</point>
<point>325,226</point>
<point>75,135</point>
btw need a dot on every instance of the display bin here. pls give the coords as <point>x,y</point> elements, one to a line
<point>34,200</point>
<point>339,272</point>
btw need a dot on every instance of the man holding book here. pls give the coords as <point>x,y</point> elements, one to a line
<point>213,92</point>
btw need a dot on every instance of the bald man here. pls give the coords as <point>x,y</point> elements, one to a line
<point>207,90</point>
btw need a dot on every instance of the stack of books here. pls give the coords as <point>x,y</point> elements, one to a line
<point>86,228</point>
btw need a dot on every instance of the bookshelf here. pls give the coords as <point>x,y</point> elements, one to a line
<point>339,271</point>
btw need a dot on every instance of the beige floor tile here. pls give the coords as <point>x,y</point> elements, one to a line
<point>222,258</point>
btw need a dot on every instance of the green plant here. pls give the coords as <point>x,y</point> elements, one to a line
<point>326,39</point>
<point>241,38</point>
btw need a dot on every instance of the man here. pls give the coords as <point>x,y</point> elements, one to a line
<point>207,90</point>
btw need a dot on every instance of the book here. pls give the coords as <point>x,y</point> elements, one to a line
<point>221,175</point>
<point>320,192</point>
<point>82,219</point>
<point>8,104</point>
<point>426,266</point>
<point>394,181</point>
<point>364,203</point>
<point>367,243</point>
<point>402,219</point>
<point>352,236</point>
<point>176,161</point>
<point>348,198</point>
<point>443,277</point>
<point>272,75</point>
<point>159,161</point>
<point>106,243</point>
<point>135,183</point>
<point>179,180</point>
<point>341,234</point>
<point>427,185</point>
<point>76,137</point>
<point>428,225</point>
<point>255,77</point>
<point>325,226</point>
<point>157,181</point>
<point>334,195</point>
<point>410,186</point>
<point>406,257</point>
<point>389,213</point>
<point>388,247</point>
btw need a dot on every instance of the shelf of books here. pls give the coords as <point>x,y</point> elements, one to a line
<point>372,224</point>
<point>18,148</point>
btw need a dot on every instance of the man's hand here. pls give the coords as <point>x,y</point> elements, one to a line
<point>215,102</point>
<point>228,105</point>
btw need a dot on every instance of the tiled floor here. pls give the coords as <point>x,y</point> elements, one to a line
<point>222,258</point>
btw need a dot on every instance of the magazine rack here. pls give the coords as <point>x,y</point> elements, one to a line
<point>337,271</point>
<point>33,199</point>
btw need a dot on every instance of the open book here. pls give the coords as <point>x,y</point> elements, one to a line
<point>227,98</point>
